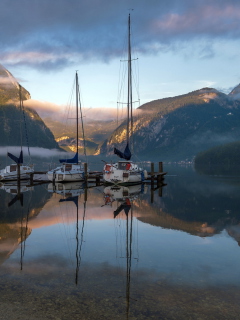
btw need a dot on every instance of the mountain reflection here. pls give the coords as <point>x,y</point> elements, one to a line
<point>18,205</point>
<point>198,205</point>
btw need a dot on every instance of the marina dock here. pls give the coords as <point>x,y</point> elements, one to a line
<point>96,177</point>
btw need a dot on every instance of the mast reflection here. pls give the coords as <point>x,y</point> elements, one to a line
<point>71,191</point>
<point>125,196</point>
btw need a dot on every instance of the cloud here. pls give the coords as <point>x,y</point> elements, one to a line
<point>46,109</point>
<point>51,35</point>
<point>58,112</point>
<point>35,152</point>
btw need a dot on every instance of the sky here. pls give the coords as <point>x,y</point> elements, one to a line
<point>181,46</point>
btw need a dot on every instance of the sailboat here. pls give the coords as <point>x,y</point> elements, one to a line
<point>17,171</point>
<point>125,171</point>
<point>71,169</point>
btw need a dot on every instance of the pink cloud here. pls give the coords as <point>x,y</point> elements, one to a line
<point>204,20</point>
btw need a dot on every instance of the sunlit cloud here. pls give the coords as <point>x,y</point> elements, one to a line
<point>58,112</point>
<point>46,109</point>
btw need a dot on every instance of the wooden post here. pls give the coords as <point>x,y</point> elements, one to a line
<point>152,195</point>
<point>54,177</point>
<point>160,191</point>
<point>85,194</point>
<point>152,168</point>
<point>97,180</point>
<point>152,175</point>
<point>85,171</point>
<point>31,179</point>
<point>160,167</point>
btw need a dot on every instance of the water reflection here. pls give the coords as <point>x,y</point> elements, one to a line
<point>108,252</point>
<point>70,192</point>
<point>68,189</point>
<point>18,204</point>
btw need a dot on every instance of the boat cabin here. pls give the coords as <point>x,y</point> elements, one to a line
<point>124,165</point>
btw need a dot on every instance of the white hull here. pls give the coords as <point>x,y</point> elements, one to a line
<point>67,173</point>
<point>123,172</point>
<point>117,177</point>
<point>61,177</point>
<point>10,173</point>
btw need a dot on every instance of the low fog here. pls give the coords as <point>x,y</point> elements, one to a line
<point>34,151</point>
<point>58,112</point>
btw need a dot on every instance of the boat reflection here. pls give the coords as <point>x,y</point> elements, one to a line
<point>68,189</point>
<point>13,188</point>
<point>125,197</point>
<point>123,194</point>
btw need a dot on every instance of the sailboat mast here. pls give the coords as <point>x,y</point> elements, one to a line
<point>20,108</point>
<point>129,109</point>
<point>77,106</point>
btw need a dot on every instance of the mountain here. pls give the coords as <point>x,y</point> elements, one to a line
<point>95,131</point>
<point>9,88</point>
<point>12,126</point>
<point>235,93</point>
<point>176,129</point>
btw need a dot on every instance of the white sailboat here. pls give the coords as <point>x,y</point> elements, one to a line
<point>71,169</point>
<point>125,171</point>
<point>17,171</point>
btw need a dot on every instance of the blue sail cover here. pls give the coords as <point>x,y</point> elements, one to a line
<point>124,155</point>
<point>73,160</point>
<point>123,206</point>
<point>16,159</point>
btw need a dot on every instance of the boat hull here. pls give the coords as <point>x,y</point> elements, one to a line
<point>10,174</point>
<point>123,177</point>
<point>63,177</point>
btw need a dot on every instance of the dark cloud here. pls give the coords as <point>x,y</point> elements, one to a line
<point>54,34</point>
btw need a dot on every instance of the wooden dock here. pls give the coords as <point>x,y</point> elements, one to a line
<point>97,176</point>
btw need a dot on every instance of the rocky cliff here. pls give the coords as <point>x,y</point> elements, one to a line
<point>176,129</point>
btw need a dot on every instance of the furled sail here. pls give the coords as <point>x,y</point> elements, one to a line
<point>73,160</point>
<point>124,155</point>
<point>16,159</point>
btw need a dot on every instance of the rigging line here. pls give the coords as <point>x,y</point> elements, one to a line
<point>81,115</point>
<point>26,131</point>
<point>122,77</point>
<point>20,108</point>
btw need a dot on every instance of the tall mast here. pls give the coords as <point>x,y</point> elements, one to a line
<point>77,106</point>
<point>129,103</point>
<point>21,109</point>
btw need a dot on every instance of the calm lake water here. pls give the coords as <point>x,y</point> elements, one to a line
<point>122,253</point>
